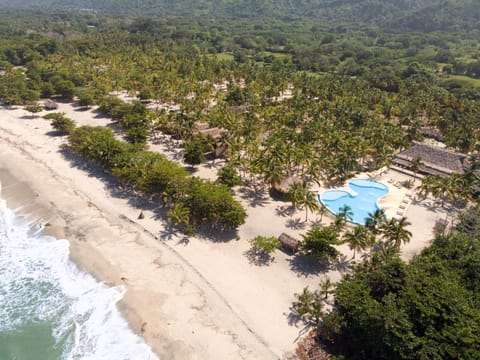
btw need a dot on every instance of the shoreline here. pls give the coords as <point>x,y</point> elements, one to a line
<point>40,201</point>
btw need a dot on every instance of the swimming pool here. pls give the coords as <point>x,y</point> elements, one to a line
<point>362,199</point>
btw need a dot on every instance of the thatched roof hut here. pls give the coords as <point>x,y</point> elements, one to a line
<point>201,126</point>
<point>432,133</point>
<point>49,104</point>
<point>289,243</point>
<point>435,160</point>
<point>214,132</point>
<point>286,183</point>
<point>204,129</point>
<point>239,109</point>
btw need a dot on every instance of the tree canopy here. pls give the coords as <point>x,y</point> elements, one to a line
<point>427,309</point>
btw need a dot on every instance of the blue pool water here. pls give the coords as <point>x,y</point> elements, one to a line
<point>362,199</point>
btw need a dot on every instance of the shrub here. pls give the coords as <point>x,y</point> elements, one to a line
<point>264,245</point>
<point>194,201</point>
<point>86,99</point>
<point>98,144</point>
<point>137,135</point>
<point>319,242</point>
<point>53,116</point>
<point>195,151</point>
<point>214,205</point>
<point>229,176</point>
<point>63,125</point>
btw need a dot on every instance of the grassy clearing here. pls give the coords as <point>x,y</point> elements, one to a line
<point>466,79</point>
<point>222,56</point>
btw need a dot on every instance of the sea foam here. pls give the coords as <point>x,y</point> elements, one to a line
<point>39,284</point>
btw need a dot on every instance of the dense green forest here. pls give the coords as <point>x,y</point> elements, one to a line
<point>424,15</point>
<point>314,89</point>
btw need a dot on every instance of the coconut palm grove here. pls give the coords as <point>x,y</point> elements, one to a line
<point>289,96</point>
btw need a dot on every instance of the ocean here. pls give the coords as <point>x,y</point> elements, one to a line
<point>50,309</point>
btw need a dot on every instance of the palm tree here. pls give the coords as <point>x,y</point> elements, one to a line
<point>395,233</point>
<point>344,214</point>
<point>430,185</point>
<point>322,210</point>
<point>384,252</point>
<point>416,164</point>
<point>374,220</point>
<point>358,239</point>
<point>296,193</point>
<point>179,215</point>
<point>308,306</point>
<point>310,202</point>
<point>302,197</point>
<point>326,287</point>
<point>303,305</point>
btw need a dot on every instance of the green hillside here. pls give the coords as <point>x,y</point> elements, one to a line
<point>424,15</point>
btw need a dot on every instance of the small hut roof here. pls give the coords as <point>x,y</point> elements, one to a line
<point>431,132</point>
<point>204,129</point>
<point>200,126</point>
<point>435,160</point>
<point>50,104</point>
<point>214,132</point>
<point>242,108</point>
<point>288,242</point>
<point>286,183</point>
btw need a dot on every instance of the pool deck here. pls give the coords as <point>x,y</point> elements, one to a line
<point>395,202</point>
<point>400,201</point>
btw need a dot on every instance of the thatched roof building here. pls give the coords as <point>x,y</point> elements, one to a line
<point>435,160</point>
<point>205,129</point>
<point>201,126</point>
<point>289,243</point>
<point>286,183</point>
<point>49,104</point>
<point>432,133</point>
<point>239,109</point>
<point>216,133</point>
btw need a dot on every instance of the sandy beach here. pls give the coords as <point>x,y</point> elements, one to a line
<point>194,298</point>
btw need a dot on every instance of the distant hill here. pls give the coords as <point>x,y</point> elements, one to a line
<point>416,15</point>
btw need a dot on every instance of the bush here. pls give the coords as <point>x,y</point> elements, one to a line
<point>86,99</point>
<point>137,135</point>
<point>98,144</point>
<point>66,89</point>
<point>214,205</point>
<point>53,116</point>
<point>195,150</point>
<point>264,245</point>
<point>108,104</point>
<point>229,176</point>
<point>63,125</point>
<point>319,242</point>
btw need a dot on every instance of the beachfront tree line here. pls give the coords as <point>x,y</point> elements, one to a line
<point>193,202</point>
<point>388,309</point>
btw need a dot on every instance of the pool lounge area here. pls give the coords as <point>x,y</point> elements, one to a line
<point>362,198</point>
